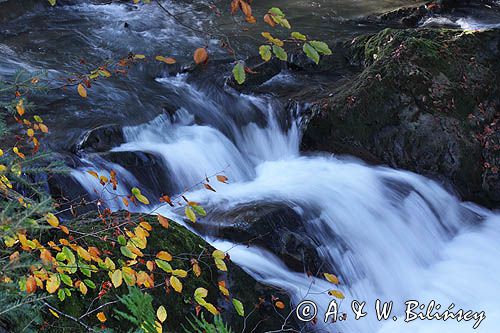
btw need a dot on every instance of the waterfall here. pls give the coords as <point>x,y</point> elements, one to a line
<point>393,235</point>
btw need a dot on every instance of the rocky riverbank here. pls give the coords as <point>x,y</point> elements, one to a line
<point>425,100</point>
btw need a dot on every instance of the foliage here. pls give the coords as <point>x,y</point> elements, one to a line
<point>200,325</point>
<point>46,263</point>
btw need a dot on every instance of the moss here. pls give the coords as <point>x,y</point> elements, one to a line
<point>183,245</point>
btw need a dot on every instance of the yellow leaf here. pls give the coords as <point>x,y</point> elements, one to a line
<point>82,91</point>
<point>139,56</point>
<point>221,265</point>
<point>161,314</point>
<point>129,276</point>
<point>212,309</point>
<point>336,293</point>
<point>223,289</point>
<point>164,255</point>
<point>190,214</point>
<point>176,284</point>
<point>52,220</point>
<point>102,317</point>
<point>150,265</point>
<point>53,284</point>
<point>158,327</point>
<point>142,199</point>
<point>180,273</point>
<point>55,314</point>
<point>117,278</point>
<point>93,173</point>
<point>200,293</point>
<point>218,254</point>
<point>30,132</point>
<point>146,225</point>
<point>1,152</point>
<point>83,288</point>
<point>331,278</point>
<point>84,254</point>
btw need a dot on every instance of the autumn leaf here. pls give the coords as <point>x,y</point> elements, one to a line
<point>163,221</point>
<point>190,214</point>
<point>52,220</point>
<point>200,55</point>
<point>221,265</point>
<point>43,128</point>
<point>53,284</point>
<point>280,305</point>
<point>208,187</point>
<point>218,254</point>
<point>167,60</point>
<point>223,289</point>
<point>31,284</point>
<point>161,314</point>
<point>164,255</point>
<point>331,278</point>
<point>117,278</point>
<point>265,52</point>
<point>102,317</point>
<point>336,293</point>
<point>268,19</point>
<point>82,91</point>
<point>20,107</point>
<point>176,284</point>
<point>222,179</point>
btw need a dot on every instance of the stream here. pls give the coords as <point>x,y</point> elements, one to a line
<point>390,234</point>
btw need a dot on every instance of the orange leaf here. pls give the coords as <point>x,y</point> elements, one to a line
<point>200,55</point>
<point>20,107</point>
<point>269,20</point>
<point>146,226</point>
<point>31,284</point>
<point>102,317</point>
<point>82,91</point>
<point>245,8</point>
<point>167,60</point>
<point>280,305</point>
<point>164,255</point>
<point>93,173</point>
<point>222,179</point>
<point>43,128</point>
<point>163,221</point>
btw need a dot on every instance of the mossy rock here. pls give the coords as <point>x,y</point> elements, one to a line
<point>424,100</point>
<point>183,245</point>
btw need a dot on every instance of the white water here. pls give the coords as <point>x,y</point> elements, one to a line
<point>394,235</point>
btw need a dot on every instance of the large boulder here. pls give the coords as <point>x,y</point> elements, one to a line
<point>426,101</point>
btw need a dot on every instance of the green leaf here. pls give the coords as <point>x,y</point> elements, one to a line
<point>284,23</point>
<point>199,210</point>
<point>311,52</point>
<point>298,35</point>
<point>127,253</point>
<point>122,240</point>
<point>142,199</point>
<point>163,265</point>
<point>66,279</point>
<point>52,2</point>
<point>276,11</point>
<point>61,295</point>
<point>321,47</point>
<point>69,255</point>
<point>89,283</point>
<point>238,306</point>
<point>239,75</point>
<point>136,191</point>
<point>265,52</point>
<point>190,214</point>
<point>280,53</point>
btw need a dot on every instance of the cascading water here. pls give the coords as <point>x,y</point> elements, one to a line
<point>392,235</point>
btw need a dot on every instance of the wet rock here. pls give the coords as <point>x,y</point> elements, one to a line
<point>276,227</point>
<point>426,101</point>
<point>100,139</point>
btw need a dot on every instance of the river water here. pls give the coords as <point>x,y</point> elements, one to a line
<point>391,234</point>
